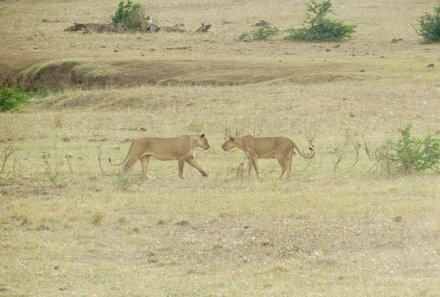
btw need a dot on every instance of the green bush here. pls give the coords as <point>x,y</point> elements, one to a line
<point>11,98</point>
<point>129,14</point>
<point>260,34</point>
<point>410,153</point>
<point>430,26</point>
<point>317,27</point>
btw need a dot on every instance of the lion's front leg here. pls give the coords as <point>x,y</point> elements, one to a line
<point>250,165</point>
<point>192,162</point>
<point>144,161</point>
<point>255,163</point>
<point>181,162</point>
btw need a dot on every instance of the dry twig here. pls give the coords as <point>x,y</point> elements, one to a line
<point>7,152</point>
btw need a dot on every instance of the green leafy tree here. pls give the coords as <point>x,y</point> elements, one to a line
<point>129,14</point>
<point>430,26</point>
<point>318,27</point>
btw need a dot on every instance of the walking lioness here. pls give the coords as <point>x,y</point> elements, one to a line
<point>280,148</point>
<point>177,148</point>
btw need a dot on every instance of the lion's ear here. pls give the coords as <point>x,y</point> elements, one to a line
<point>203,135</point>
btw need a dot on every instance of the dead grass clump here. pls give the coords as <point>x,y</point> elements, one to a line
<point>182,223</point>
<point>97,217</point>
<point>351,142</point>
<point>58,120</point>
<point>7,152</point>
<point>52,170</point>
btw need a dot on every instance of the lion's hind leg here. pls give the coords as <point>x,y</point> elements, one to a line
<point>288,163</point>
<point>281,161</point>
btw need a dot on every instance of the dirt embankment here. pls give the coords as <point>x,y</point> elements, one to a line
<point>71,73</point>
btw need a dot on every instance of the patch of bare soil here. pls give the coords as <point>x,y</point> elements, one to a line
<point>86,74</point>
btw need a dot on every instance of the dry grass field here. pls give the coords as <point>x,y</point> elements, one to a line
<point>71,226</point>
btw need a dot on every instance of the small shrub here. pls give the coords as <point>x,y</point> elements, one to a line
<point>410,153</point>
<point>430,26</point>
<point>260,34</point>
<point>126,182</point>
<point>129,14</point>
<point>317,27</point>
<point>11,98</point>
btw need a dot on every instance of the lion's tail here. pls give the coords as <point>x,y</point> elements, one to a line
<point>305,156</point>
<point>126,157</point>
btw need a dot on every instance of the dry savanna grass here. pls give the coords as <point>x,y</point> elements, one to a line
<point>70,225</point>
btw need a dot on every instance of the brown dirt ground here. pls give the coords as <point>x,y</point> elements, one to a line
<point>73,73</point>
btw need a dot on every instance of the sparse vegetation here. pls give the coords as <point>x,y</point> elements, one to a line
<point>429,26</point>
<point>354,233</point>
<point>11,98</point>
<point>126,182</point>
<point>129,14</point>
<point>410,153</point>
<point>318,27</point>
<point>258,35</point>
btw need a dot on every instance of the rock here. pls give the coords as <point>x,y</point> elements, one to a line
<point>203,28</point>
<point>397,219</point>
<point>264,24</point>
<point>430,65</point>
<point>396,40</point>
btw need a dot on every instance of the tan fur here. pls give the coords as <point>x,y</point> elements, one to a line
<point>280,148</point>
<point>177,148</point>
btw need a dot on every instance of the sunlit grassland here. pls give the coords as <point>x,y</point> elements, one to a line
<point>321,231</point>
<point>72,226</point>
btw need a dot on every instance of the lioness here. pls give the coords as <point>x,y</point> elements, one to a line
<point>280,148</point>
<point>177,148</point>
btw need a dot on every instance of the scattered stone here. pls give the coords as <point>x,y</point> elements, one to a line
<point>265,243</point>
<point>50,21</point>
<point>337,45</point>
<point>203,28</point>
<point>115,50</point>
<point>352,115</point>
<point>430,65</point>
<point>362,70</point>
<point>178,48</point>
<point>176,28</point>
<point>396,40</point>
<point>327,49</point>
<point>96,27</point>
